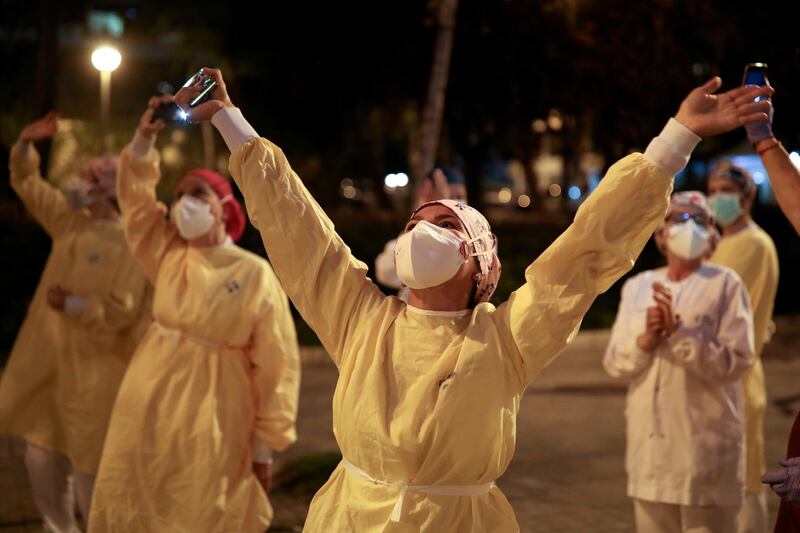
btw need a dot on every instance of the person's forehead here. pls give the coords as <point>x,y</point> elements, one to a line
<point>434,211</point>
<point>190,180</point>
<point>722,182</point>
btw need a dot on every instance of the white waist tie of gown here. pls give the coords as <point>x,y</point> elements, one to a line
<point>175,335</point>
<point>403,487</point>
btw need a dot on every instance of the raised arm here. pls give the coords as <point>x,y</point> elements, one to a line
<point>784,175</point>
<point>42,200</point>
<point>147,230</point>
<point>327,284</point>
<point>785,179</point>
<point>611,228</point>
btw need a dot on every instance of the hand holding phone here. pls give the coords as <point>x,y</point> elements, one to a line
<point>149,123</point>
<point>172,113</point>
<point>202,82</point>
<point>169,112</point>
<point>203,95</point>
<point>756,74</point>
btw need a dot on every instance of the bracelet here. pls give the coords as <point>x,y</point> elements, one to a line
<point>772,143</point>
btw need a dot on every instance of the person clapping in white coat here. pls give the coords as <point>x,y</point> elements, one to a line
<point>683,338</point>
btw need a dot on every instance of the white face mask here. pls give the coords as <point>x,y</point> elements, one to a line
<point>192,217</point>
<point>688,240</point>
<point>428,255</point>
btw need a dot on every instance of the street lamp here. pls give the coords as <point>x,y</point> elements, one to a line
<point>106,59</point>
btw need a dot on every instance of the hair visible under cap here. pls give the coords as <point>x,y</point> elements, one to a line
<point>234,215</point>
<point>733,173</point>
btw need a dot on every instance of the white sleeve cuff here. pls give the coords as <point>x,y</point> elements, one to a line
<point>233,127</point>
<point>74,305</point>
<point>141,145</point>
<point>670,151</point>
<point>261,452</point>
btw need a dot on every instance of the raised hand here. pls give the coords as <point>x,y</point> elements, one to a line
<point>761,130</point>
<point>41,129</point>
<point>206,110</point>
<point>433,189</point>
<point>707,114</point>
<point>146,127</point>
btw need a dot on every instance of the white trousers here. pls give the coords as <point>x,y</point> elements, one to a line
<point>54,487</point>
<point>654,517</point>
<point>754,516</point>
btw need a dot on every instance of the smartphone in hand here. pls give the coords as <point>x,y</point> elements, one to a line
<point>171,113</point>
<point>205,83</point>
<point>756,74</point>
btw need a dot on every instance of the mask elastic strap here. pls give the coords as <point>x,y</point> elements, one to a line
<point>476,239</point>
<point>226,198</point>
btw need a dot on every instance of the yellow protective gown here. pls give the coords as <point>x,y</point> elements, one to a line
<point>63,373</point>
<point>751,254</point>
<point>219,366</point>
<point>428,398</point>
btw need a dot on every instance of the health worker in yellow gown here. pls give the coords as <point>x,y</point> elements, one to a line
<point>428,392</point>
<point>213,387</point>
<point>87,316</point>
<point>750,252</point>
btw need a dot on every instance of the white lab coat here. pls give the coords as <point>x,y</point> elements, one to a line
<point>685,432</point>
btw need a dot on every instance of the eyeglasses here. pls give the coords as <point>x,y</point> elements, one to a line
<point>680,218</point>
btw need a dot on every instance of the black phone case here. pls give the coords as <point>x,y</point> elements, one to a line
<point>169,112</point>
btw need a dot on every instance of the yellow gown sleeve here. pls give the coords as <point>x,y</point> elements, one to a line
<point>608,233</point>
<point>42,200</point>
<point>326,283</point>
<point>275,373</point>
<point>122,308</point>
<point>149,234</point>
<point>624,359</point>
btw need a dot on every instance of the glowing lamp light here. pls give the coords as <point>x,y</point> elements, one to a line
<point>106,59</point>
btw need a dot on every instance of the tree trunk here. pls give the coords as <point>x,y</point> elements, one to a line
<point>431,126</point>
<point>44,88</point>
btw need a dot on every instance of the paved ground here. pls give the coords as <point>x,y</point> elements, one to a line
<point>567,474</point>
